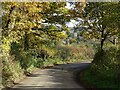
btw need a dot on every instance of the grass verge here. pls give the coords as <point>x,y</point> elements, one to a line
<point>96,82</point>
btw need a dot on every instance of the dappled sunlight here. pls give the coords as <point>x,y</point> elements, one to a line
<point>60,76</point>
<point>60,44</point>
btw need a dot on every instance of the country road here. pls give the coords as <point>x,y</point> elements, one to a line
<point>59,77</point>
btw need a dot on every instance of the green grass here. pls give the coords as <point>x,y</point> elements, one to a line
<point>97,80</point>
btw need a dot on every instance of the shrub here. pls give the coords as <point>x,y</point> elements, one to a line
<point>105,64</point>
<point>63,52</point>
<point>105,69</point>
<point>11,73</point>
<point>81,52</point>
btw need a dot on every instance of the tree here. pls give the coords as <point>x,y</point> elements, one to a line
<point>75,14</point>
<point>101,20</point>
<point>30,25</point>
<point>36,25</point>
<point>29,20</point>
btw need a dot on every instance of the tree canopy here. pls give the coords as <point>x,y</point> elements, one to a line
<point>102,20</point>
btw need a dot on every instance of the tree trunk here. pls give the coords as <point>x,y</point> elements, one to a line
<point>103,36</point>
<point>102,39</point>
<point>102,43</point>
<point>26,41</point>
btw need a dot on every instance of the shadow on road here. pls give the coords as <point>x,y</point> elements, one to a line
<point>59,77</point>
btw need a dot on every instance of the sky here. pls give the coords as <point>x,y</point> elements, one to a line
<point>72,23</point>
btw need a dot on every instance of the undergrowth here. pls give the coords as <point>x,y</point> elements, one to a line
<point>104,71</point>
